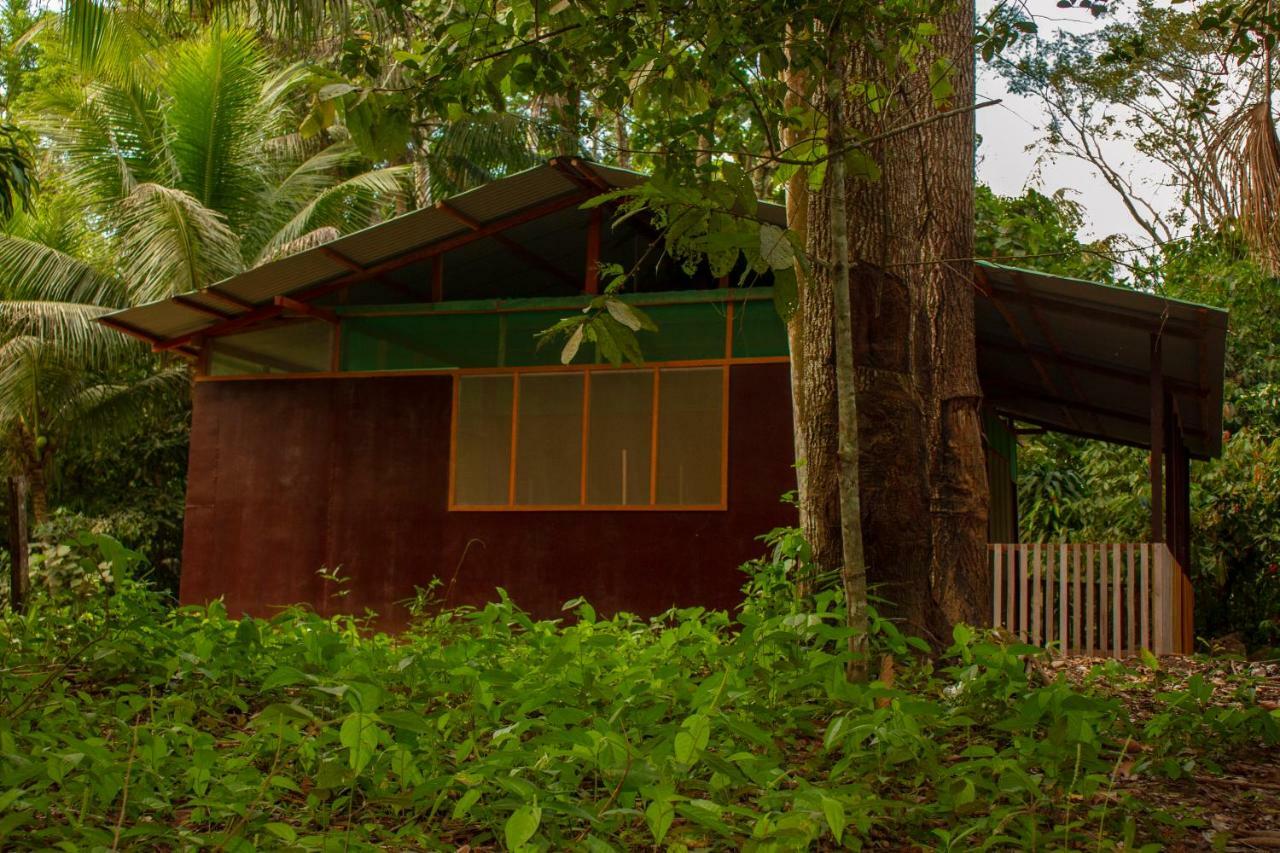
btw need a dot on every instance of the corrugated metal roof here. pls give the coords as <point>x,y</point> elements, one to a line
<point>1075,356</point>
<point>168,321</point>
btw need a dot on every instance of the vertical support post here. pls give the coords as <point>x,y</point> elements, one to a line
<point>437,278</point>
<point>591,280</point>
<point>997,569</point>
<point>19,576</point>
<point>1157,440</point>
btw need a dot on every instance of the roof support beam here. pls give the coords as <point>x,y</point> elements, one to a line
<point>186,301</point>
<point>1130,377</point>
<point>347,279</point>
<point>1166,325</point>
<point>1047,333</point>
<point>1005,394</point>
<point>337,257</point>
<point>235,324</point>
<point>306,309</point>
<point>229,298</point>
<point>1016,328</point>
<point>512,246</point>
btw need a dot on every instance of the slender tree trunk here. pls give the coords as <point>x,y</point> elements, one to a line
<point>19,575</point>
<point>39,493</point>
<point>853,567</point>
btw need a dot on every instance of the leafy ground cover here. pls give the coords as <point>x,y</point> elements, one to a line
<point>127,724</point>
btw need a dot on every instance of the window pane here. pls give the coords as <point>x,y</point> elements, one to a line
<point>549,439</point>
<point>291,346</point>
<point>483,462</point>
<point>689,424</point>
<point>620,439</point>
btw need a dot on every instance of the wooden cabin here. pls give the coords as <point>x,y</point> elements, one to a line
<point>378,407</point>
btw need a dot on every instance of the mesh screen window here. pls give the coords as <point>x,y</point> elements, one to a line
<point>629,438</point>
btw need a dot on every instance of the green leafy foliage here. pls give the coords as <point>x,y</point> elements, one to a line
<point>126,724</point>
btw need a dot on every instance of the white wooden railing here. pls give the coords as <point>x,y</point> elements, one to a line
<point>1093,599</point>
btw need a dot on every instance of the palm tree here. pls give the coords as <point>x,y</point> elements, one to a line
<point>169,168</point>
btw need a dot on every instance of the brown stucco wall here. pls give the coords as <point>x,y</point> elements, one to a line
<point>288,476</point>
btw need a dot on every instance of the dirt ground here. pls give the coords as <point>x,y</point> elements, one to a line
<point>1237,808</point>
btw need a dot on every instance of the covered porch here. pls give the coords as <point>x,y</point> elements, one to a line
<point>1115,365</point>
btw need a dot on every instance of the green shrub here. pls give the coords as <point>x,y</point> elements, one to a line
<point>129,724</point>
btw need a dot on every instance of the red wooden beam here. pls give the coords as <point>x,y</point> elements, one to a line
<point>334,255</point>
<point>511,245</point>
<point>257,315</point>
<point>293,306</point>
<point>229,298</point>
<point>186,301</point>
<point>132,331</point>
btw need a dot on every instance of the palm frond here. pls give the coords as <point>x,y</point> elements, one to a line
<point>31,270</point>
<point>105,411</point>
<point>344,206</point>
<point>73,329</point>
<point>170,243</point>
<point>1247,151</point>
<point>310,240</point>
<point>217,118</point>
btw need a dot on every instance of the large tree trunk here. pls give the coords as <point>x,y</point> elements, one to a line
<point>960,496</point>
<point>923,477</point>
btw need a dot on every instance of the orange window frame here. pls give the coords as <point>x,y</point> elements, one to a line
<point>654,449</point>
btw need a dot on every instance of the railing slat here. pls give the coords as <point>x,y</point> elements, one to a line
<point>1048,596</point>
<point>1075,600</point>
<point>1144,596</point>
<point>1011,587</point>
<point>1116,566</point>
<point>1091,616</point>
<point>1023,590</point>
<point>1130,590</point>
<point>1037,597</point>
<point>1062,599</point>
<point>1104,609</point>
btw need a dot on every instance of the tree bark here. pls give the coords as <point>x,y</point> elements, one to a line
<point>39,493</point>
<point>959,494</point>
<point>19,575</point>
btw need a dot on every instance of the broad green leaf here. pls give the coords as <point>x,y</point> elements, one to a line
<point>283,677</point>
<point>282,831</point>
<point>359,734</point>
<point>833,809</point>
<point>623,313</point>
<point>658,817</point>
<point>521,826</point>
<point>572,345</point>
<point>786,293</point>
<point>465,802</point>
<point>775,248</point>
